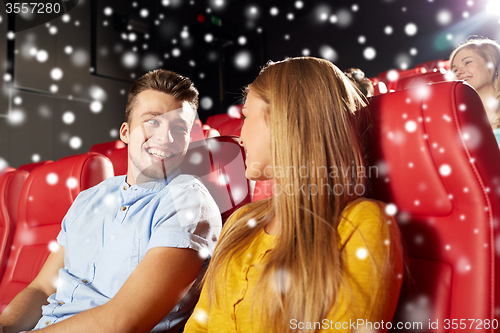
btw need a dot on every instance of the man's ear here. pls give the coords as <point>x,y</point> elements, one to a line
<point>124,132</point>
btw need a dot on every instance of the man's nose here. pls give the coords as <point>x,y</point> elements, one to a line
<point>164,134</point>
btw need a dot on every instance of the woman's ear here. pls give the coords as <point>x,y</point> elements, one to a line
<point>124,132</point>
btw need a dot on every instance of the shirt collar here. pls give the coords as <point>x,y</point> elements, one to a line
<point>154,185</point>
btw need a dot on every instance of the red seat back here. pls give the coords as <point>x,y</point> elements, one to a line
<point>388,76</point>
<point>263,189</point>
<point>47,194</point>
<point>438,163</point>
<point>422,79</point>
<point>434,64</point>
<point>231,127</point>
<point>31,166</point>
<point>215,120</point>
<point>11,182</point>
<point>106,148</point>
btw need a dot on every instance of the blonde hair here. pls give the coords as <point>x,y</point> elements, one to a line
<point>312,111</point>
<point>489,50</point>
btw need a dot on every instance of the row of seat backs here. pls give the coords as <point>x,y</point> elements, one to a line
<point>11,183</point>
<point>432,154</point>
<point>428,72</point>
<point>46,194</point>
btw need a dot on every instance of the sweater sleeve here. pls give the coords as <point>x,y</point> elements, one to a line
<point>372,263</point>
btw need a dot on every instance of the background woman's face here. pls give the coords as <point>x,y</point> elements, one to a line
<point>471,67</point>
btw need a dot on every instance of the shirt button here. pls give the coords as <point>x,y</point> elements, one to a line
<point>84,281</point>
<point>125,187</point>
<point>47,323</point>
<point>232,317</point>
<point>61,303</point>
<point>124,208</point>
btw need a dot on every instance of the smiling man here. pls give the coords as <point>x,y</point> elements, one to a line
<point>130,247</point>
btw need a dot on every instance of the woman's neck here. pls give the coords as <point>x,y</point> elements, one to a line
<point>272,228</point>
<point>490,104</point>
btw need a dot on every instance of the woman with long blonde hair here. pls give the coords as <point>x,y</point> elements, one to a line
<point>316,256</point>
<point>477,62</point>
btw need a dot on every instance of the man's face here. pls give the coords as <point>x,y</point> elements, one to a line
<point>157,136</point>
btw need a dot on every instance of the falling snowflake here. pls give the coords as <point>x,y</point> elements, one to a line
<point>361,253</point>
<point>252,223</point>
<point>243,60</point>
<point>52,178</point>
<point>369,53</point>
<point>75,142</point>
<point>328,53</point>
<point>444,17</point>
<point>68,117</point>
<point>411,29</point>
<point>206,103</point>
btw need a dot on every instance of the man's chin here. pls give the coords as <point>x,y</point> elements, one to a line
<point>157,171</point>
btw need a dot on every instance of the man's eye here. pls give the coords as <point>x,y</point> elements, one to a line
<point>181,128</point>
<point>243,118</point>
<point>153,121</point>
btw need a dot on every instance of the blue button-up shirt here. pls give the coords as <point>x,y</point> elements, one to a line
<point>110,227</point>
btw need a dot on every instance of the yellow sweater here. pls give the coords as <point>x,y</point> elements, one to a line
<point>361,248</point>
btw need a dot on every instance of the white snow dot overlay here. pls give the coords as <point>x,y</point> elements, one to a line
<point>445,170</point>
<point>252,223</point>
<point>204,253</point>
<point>391,209</point>
<point>411,29</point>
<point>411,126</point>
<point>369,53</point>
<point>53,246</point>
<point>71,183</point>
<point>52,178</point>
<point>361,253</point>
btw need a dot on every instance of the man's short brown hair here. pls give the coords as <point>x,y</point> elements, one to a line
<point>168,82</point>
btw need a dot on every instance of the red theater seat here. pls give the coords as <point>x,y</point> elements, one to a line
<point>379,87</point>
<point>31,166</point>
<point>215,120</point>
<point>422,79</point>
<point>263,189</point>
<point>391,80</point>
<point>11,182</point>
<point>219,163</point>
<point>118,158</point>
<point>231,127</point>
<point>106,148</point>
<point>46,195</point>
<point>433,64</point>
<point>438,163</point>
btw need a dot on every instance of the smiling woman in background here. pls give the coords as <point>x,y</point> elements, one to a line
<point>477,62</point>
<point>316,255</point>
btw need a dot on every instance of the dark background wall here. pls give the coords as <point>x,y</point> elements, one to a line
<point>64,82</point>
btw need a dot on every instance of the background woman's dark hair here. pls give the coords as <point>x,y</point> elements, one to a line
<point>357,76</point>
